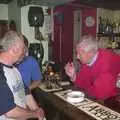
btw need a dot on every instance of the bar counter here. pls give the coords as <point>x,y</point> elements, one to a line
<point>55,106</point>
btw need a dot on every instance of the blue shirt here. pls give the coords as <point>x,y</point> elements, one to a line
<point>30,70</point>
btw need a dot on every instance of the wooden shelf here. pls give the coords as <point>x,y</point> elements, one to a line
<point>108,34</point>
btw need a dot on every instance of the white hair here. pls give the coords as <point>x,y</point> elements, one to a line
<point>88,43</point>
<point>11,38</point>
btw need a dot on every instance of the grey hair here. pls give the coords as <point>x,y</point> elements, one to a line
<point>88,43</point>
<point>10,39</point>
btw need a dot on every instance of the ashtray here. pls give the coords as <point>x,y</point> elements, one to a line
<point>75,96</point>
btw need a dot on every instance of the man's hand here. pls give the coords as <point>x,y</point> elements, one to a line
<point>32,105</point>
<point>40,114</point>
<point>70,71</point>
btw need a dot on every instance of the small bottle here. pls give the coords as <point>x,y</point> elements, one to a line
<point>114,27</point>
<point>113,44</point>
<point>108,28</point>
<point>109,46</point>
<point>103,25</point>
<point>119,27</point>
<point>100,27</point>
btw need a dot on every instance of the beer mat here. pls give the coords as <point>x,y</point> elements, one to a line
<point>94,109</point>
<point>43,88</point>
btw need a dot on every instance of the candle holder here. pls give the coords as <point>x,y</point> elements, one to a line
<point>52,81</point>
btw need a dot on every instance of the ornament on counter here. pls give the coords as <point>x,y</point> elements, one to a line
<point>51,75</point>
<point>52,80</point>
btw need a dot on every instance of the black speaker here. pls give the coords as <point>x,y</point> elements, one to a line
<point>35,16</point>
<point>37,51</point>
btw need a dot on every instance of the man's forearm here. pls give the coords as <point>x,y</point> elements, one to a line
<point>31,103</point>
<point>21,113</point>
<point>34,84</point>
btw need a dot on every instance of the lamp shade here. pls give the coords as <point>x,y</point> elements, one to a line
<point>35,16</point>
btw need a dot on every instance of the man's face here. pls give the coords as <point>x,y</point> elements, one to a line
<point>20,52</point>
<point>83,56</point>
<point>26,51</point>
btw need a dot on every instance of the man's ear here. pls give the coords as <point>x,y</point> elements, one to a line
<point>14,50</point>
<point>92,53</point>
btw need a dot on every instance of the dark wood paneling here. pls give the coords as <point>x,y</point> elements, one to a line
<point>3,27</point>
<point>5,1</point>
<point>110,4</point>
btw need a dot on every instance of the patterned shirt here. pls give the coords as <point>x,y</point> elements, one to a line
<point>12,90</point>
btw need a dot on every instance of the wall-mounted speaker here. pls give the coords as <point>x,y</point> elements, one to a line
<point>37,51</point>
<point>35,16</point>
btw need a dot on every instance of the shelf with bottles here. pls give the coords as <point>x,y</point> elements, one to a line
<point>109,31</point>
<point>113,44</point>
<point>109,42</point>
<point>108,34</point>
<point>108,27</point>
<point>113,39</point>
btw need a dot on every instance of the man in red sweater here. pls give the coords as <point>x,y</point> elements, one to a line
<point>99,69</point>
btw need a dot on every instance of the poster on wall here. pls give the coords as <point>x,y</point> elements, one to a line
<point>89,21</point>
<point>89,18</point>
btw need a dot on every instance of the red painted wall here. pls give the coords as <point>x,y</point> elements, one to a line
<point>85,13</point>
<point>64,37</point>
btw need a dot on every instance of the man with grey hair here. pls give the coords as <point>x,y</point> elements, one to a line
<point>99,69</point>
<point>16,102</point>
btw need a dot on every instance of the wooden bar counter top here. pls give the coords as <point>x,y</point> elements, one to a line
<point>94,110</point>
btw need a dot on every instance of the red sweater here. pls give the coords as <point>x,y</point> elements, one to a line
<point>99,80</point>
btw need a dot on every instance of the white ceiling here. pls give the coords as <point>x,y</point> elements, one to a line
<point>50,3</point>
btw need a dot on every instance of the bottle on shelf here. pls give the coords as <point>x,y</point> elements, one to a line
<point>110,30</point>
<point>108,27</point>
<point>113,43</point>
<point>119,26</point>
<point>109,46</point>
<point>100,25</point>
<point>105,26</point>
<point>114,27</point>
